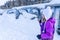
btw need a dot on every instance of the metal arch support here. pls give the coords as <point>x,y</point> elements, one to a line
<point>17,13</point>
<point>30,11</point>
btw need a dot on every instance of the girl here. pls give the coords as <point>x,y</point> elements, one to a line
<point>47,26</point>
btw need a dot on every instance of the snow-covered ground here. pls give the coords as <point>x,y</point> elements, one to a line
<point>18,29</point>
<point>22,28</point>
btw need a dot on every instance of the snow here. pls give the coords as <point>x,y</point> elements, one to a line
<point>22,28</point>
<point>56,36</point>
<point>18,29</point>
<point>1,11</point>
<point>55,2</point>
<point>2,2</point>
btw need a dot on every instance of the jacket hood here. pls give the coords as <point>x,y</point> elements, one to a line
<point>52,20</point>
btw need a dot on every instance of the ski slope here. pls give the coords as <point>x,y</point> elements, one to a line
<point>18,29</point>
<point>22,28</point>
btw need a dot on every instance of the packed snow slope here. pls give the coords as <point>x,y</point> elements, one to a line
<point>18,29</point>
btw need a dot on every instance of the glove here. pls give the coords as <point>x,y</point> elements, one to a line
<point>39,36</point>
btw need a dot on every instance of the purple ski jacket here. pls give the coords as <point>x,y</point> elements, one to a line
<point>49,29</point>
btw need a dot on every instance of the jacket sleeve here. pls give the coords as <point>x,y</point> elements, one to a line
<point>49,30</point>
